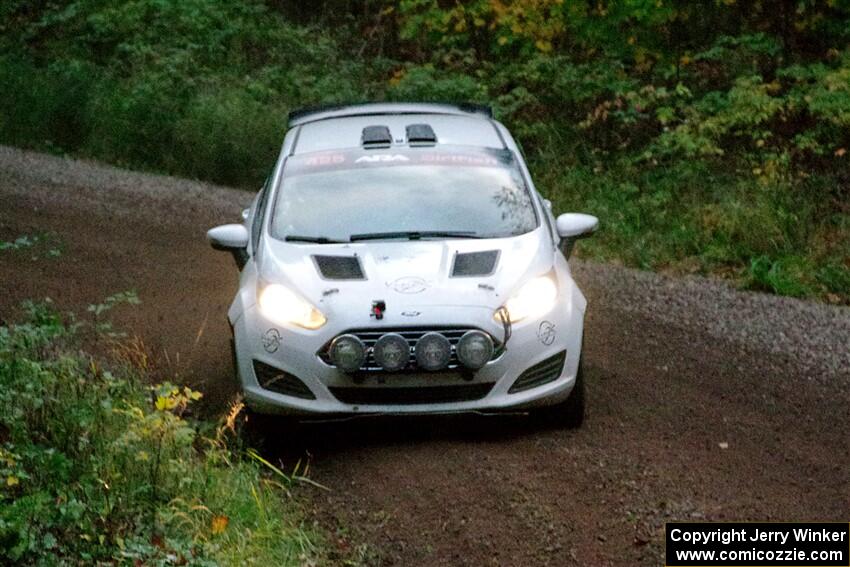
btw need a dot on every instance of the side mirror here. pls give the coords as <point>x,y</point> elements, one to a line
<point>576,225</point>
<point>572,226</point>
<point>231,238</point>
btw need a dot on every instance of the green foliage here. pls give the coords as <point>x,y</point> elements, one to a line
<point>427,83</point>
<point>228,135</point>
<point>785,276</point>
<point>690,219</point>
<point>128,297</point>
<point>710,136</point>
<point>102,326</point>
<point>42,107</point>
<point>95,467</point>
<point>20,243</point>
<point>191,87</point>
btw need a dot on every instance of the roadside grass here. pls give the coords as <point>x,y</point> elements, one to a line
<point>96,466</point>
<point>771,237</point>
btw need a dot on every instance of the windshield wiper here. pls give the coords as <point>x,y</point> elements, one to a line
<point>414,235</point>
<point>312,239</point>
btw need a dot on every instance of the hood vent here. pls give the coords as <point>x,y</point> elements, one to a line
<point>376,137</point>
<point>421,135</point>
<point>339,267</point>
<point>475,263</point>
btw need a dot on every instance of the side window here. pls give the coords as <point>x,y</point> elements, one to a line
<point>259,213</point>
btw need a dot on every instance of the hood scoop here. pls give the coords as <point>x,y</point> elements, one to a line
<point>339,267</point>
<point>475,263</point>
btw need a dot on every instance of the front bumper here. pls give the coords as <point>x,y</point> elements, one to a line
<point>294,351</point>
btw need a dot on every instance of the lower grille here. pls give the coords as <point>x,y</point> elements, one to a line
<point>541,373</point>
<point>412,395</point>
<point>412,336</point>
<point>275,380</point>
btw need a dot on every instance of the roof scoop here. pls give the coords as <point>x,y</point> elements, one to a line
<point>339,267</point>
<point>376,137</point>
<point>421,135</point>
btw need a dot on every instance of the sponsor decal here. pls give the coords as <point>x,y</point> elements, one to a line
<point>324,159</point>
<point>271,340</point>
<point>546,332</point>
<point>381,158</point>
<point>410,313</point>
<point>409,284</point>
<point>460,159</point>
<point>339,160</point>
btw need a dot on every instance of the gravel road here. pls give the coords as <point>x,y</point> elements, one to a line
<point>704,402</point>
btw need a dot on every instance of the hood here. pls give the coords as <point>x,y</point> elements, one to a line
<point>407,273</point>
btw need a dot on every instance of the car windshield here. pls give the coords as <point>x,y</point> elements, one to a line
<point>411,193</point>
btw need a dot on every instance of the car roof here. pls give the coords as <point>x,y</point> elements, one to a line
<point>342,128</point>
<point>314,113</point>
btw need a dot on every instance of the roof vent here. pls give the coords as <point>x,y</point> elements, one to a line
<point>421,134</point>
<point>376,137</point>
<point>475,264</point>
<point>339,267</point>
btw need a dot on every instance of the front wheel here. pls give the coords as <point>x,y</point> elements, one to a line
<point>265,431</point>
<point>570,412</point>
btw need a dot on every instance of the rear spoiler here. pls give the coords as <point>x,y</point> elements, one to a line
<point>322,112</point>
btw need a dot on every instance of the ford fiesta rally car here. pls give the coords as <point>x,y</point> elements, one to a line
<point>399,260</point>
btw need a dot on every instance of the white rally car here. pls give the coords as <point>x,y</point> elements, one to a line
<point>399,260</point>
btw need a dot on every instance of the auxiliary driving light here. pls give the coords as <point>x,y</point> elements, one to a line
<point>433,351</point>
<point>348,353</point>
<point>391,352</point>
<point>475,349</point>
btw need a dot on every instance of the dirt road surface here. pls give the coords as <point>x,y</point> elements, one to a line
<point>704,403</point>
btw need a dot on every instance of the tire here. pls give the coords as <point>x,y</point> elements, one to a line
<point>266,431</point>
<point>237,385</point>
<point>258,430</point>
<point>568,414</point>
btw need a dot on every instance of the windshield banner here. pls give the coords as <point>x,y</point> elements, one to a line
<point>329,161</point>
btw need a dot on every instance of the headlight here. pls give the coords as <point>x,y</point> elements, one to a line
<point>281,305</point>
<point>533,299</point>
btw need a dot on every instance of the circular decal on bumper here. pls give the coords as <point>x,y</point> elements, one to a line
<point>271,340</point>
<point>546,332</point>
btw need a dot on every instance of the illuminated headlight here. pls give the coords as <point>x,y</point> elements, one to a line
<point>348,353</point>
<point>433,352</point>
<point>282,305</point>
<point>391,352</point>
<point>475,349</point>
<point>533,299</point>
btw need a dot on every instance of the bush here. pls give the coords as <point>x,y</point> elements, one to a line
<point>195,88</point>
<point>228,136</point>
<point>45,107</point>
<point>95,466</point>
